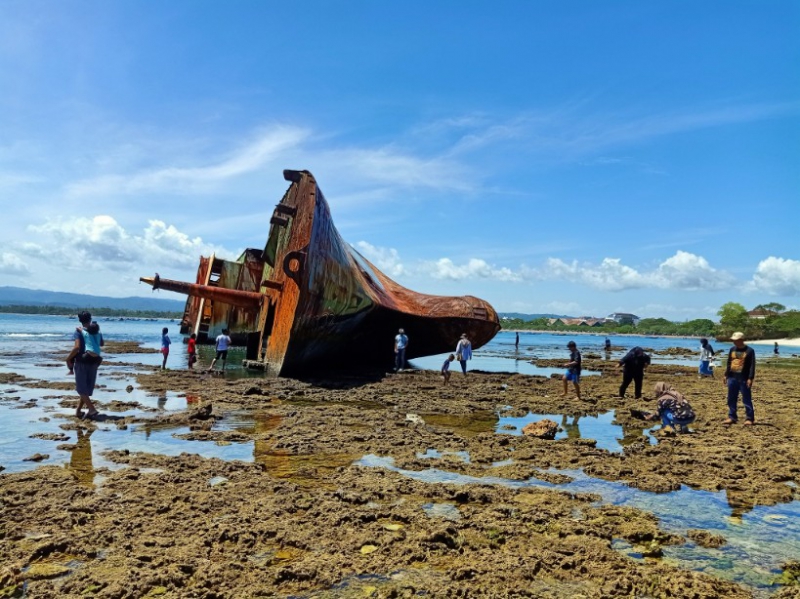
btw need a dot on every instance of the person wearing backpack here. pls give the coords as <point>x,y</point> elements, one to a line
<point>84,360</point>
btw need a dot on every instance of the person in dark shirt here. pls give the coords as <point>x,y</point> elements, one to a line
<point>573,370</point>
<point>633,365</point>
<point>739,375</point>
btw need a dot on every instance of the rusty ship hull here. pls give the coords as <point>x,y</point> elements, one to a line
<point>309,300</point>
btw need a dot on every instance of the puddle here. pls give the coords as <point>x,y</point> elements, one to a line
<point>442,511</point>
<point>466,425</point>
<point>602,428</point>
<point>493,361</point>
<point>758,541</point>
<point>434,454</point>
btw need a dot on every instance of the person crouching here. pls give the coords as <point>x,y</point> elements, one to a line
<point>673,408</point>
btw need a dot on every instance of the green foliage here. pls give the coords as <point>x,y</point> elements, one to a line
<point>732,317</point>
<point>62,311</point>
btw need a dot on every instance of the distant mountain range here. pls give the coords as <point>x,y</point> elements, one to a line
<point>529,316</point>
<point>19,296</point>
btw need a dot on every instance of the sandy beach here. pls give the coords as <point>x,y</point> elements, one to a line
<point>787,342</point>
<point>395,486</point>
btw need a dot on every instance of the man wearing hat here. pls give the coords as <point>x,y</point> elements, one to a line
<point>739,375</point>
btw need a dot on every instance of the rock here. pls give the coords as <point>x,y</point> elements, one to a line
<point>543,429</point>
<point>37,457</point>
<point>201,413</point>
<point>705,538</point>
<point>129,388</point>
<point>414,419</point>
<point>367,549</point>
<point>50,436</point>
<point>253,391</point>
<point>43,571</point>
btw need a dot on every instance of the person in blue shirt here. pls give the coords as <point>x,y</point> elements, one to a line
<point>464,352</point>
<point>165,343</point>
<point>400,345</point>
<point>85,359</point>
<point>446,369</point>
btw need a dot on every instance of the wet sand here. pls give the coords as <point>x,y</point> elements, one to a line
<point>311,517</point>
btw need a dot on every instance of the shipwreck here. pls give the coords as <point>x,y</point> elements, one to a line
<point>309,300</point>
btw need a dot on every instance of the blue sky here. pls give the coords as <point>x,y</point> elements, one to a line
<point>577,157</point>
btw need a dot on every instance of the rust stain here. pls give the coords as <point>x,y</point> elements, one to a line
<point>309,299</point>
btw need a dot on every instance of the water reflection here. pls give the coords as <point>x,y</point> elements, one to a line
<point>80,462</point>
<point>603,428</point>
<point>758,541</point>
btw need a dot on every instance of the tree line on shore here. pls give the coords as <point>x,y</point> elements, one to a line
<point>775,322</point>
<point>72,311</point>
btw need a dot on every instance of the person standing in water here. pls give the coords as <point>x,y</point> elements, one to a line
<point>165,343</point>
<point>191,347</point>
<point>222,344</point>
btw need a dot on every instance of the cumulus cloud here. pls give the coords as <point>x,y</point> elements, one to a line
<point>682,271</point>
<point>474,268</point>
<point>386,259</point>
<point>11,264</point>
<point>102,242</point>
<point>778,276</point>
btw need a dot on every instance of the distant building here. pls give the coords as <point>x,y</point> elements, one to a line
<point>761,313</point>
<point>624,318</point>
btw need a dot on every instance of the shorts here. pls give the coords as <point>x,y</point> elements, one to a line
<point>85,378</point>
<point>165,351</point>
<point>571,376</point>
<point>192,358</point>
<point>222,353</point>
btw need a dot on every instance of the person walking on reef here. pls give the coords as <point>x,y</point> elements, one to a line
<point>464,352</point>
<point>446,369</point>
<point>776,351</point>
<point>84,360</point>
<point>739,375</point>
<point>516,343</point>
<point>573,370</point>
<point>222,344</point>
<point>633,365</point>
<point>400,345</point>
<point>607,344</point>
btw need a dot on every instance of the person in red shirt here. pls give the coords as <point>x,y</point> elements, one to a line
<point>192,350</point>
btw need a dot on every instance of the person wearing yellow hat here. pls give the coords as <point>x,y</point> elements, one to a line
<point>739,375</point>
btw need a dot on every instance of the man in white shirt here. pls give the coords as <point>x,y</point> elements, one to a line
<point>222,345</point>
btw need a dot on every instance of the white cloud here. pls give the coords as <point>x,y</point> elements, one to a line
<point>475,268</point>
<point>386,259</point>
<point>252,157</point>
<point>691,272</point>
<point>101,242</point>
<point>682,271</point>
<point>11,264</point>
<point>778,276</point>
